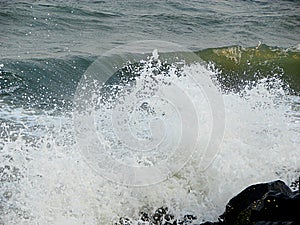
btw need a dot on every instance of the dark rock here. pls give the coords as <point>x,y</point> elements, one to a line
<point>144,216</point>
<point>296,184</point>
<point>169,217</point>
<point>275,223</point>
<point>159,215</point>
<point>271,202</point>
<point>125,221</point>
<point>189,218</point>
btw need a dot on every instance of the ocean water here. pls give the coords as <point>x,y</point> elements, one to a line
<point>113,108</point>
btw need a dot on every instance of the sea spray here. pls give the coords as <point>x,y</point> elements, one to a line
<point>44,178</point>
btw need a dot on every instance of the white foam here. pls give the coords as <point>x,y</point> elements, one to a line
<point>57,186</point>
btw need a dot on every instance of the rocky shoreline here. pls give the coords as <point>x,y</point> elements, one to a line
<point>272,203</point>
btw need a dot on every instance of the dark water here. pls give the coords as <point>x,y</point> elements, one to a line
<point>39,29</point>
<point>250,47</point>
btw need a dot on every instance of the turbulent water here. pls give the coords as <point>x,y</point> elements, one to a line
<point>97,123</point>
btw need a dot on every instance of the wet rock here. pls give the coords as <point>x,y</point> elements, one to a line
<point>275,223</point>
<point>124,221</point>
<point>266,203</point>
<point>272,203</point>
<point>161,216</point>
<point>144,217</point>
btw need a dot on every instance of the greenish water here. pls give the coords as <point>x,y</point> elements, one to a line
<point>238,64</point>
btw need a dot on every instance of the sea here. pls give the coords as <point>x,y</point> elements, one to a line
<point>111,110</point>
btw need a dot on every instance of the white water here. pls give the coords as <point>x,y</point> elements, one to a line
<point>57,186</point>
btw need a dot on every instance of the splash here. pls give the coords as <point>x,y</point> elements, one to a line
<point>142,123</point>
<point>45,179</point>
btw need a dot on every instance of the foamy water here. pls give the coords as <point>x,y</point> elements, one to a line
<point>49,181</point>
